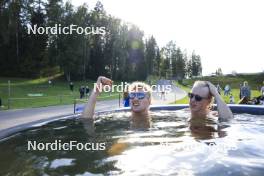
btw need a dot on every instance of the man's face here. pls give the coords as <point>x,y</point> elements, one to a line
<point>139,101</point>
<point>201,105</point>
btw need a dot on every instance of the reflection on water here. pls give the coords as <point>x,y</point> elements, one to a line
<point>61,162</point>
<point>173,145</point>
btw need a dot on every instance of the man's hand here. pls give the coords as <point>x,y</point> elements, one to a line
<point>212,89</point>
<point>102,81</point>
<point>223,110</point>
<point>89,108</point>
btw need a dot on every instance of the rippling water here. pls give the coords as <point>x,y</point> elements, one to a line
<point>174,145</point>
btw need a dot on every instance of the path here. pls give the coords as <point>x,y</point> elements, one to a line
<point>170,97</point>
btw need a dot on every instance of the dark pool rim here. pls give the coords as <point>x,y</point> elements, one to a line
<point>249,109</point>
<point>235,108</point>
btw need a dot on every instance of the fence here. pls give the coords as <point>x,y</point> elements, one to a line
<point>75,108</point>
<point>50,100</point>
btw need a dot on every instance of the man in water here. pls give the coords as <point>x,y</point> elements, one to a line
<point>201,98</point>
<point>140,100</point>
<point>203,121</point>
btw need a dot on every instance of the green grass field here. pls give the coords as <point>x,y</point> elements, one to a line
<point>57,94</point>
<point>255,82</point>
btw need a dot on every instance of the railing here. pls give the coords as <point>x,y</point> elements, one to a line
<point>85,101</point>
<point>53,100</point>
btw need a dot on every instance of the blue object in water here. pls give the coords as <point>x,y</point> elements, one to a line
<point>126,102</point>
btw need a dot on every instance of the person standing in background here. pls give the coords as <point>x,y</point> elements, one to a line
<point>240,86</point>
<point>218,88</point>
<point>227,90</point>
<point>71,86</point>
<point>50,83</point>
<point>87,90</point>
<point>231,99</point>
<point>82,91</point>
<point>245,91</point>
<point>262,89</point>
<point>126,99</point>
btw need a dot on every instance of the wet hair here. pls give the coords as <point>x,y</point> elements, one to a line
<point>202,84</point>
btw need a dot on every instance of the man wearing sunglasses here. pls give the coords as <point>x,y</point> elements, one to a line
<point>140,99</point>
<point>200,101</point>
<point>203,122</point>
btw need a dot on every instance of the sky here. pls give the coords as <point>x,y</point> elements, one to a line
<point>227,34</point>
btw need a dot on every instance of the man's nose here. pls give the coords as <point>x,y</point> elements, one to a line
<point>192,99</point>
<point>136,98</point>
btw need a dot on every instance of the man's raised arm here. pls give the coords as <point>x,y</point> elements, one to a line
<point>88,111</point>
<point>224,111</point>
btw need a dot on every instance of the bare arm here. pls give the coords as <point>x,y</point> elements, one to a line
<point>88,111</point>
<point>223,110</point>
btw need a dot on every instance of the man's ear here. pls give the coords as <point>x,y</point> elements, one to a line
<point>209,102</point>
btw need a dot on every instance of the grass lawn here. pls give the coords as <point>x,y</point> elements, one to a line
<point>57,94</point>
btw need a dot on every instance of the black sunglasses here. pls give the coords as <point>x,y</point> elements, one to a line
<point>196,97</point>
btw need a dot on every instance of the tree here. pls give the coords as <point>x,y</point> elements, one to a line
<point>151,54</point>
<point>219,72</point>
<point>177,61</point>
<point>35,57</point>
<point>157,63</point>
<point>180,66</point>
<point>194,66</point>
<point>55,10</point>
<point>165,64</point>
<point>121,53</point>
<point>97,62</point>
<point>170,54</point>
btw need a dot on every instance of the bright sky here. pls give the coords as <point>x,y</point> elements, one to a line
<point>226,33</point>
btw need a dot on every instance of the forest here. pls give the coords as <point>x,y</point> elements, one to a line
<point>121,51</point>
